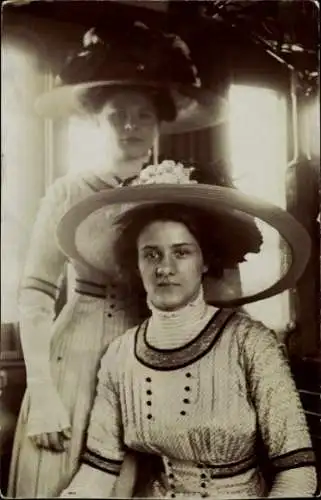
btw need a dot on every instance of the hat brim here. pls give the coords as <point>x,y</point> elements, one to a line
<point>213,199</point>
<point>197,108</point>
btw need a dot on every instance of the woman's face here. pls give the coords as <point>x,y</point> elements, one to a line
<point>130,123</point>
<point>171,264</point>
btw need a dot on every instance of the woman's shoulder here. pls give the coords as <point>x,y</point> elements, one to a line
<point>252,334</point>
<point>77,186</point>
<point>117,355</point>
<point>122,345</point>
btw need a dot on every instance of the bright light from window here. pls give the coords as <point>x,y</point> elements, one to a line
<point>313,128</point>
<point>18,82</point>
<point>258,145</point>
<point>90,146</point>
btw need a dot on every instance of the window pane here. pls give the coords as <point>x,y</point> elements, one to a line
<point>258,149</point>
<point>22,181</point>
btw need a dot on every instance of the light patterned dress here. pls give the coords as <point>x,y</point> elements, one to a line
<point>203,407</point>
<point>96,313</point>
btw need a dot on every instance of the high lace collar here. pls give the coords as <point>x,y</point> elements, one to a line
<point>170,329</point>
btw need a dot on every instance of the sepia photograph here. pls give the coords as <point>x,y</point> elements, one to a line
<point>160,249</point>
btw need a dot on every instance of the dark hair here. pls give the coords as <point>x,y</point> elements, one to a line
<point>94,99</point>
<point>223,239</point>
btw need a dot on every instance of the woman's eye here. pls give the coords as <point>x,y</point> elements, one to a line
<point>152,255</point>
<point>145,115</point>
<point>180,253</point>
<point>115,116</point>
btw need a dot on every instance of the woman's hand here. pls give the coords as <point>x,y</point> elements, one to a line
<point>48,420</point>
<point>55,441</point>
<point>89,482</point>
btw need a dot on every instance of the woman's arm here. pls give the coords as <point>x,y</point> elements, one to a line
<point>299,482</point>
<point>44,265</point>
<point>103,456</point>
<point>280,414</point>
<point>90,482</point>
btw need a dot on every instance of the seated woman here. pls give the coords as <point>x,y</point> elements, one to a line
<point>205,388</point>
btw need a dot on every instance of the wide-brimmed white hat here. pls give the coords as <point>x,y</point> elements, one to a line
<point>88,231</point>
<point>138,58</point>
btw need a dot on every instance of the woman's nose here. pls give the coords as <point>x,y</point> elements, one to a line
<point>166,267</point>
<point>129,126</point>
<point>130,122</point>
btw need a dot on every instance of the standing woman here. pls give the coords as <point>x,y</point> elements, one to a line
<point>131,94</point>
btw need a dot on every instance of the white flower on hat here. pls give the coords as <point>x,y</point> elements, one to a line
<point>167,172</point>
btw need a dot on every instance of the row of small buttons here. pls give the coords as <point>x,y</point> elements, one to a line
<point>149,393</point>
<point>187,388</point>
<point>112,306</point>
<point>171,478</point>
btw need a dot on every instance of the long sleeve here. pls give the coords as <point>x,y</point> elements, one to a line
<point>44,265</point>
<point>280,414</point>
<point>104,452</point>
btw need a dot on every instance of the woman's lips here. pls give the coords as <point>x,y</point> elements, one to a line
<point>131,140</point>
<point>164,285</point>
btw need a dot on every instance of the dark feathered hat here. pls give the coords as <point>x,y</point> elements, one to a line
<point>138,57</point>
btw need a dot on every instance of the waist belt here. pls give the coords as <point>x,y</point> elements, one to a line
<point>92,289</point>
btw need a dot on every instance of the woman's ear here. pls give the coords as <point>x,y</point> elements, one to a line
<point>205,268</point>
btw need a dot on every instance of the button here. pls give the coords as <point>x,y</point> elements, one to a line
<point>59,358</point>
<point>173,495</point>
<point>186,401</point>
<point>149,392</point>
<point>112,306</point>
<point>183,412</point>
<point>149,416</point>
<point>188,375</point>
<point>148,379</point>
<point>203,485</point>
<point>171,475</point>
<point>169,464</point>
<point>203,476</point>
<point>109,315</point>
<point>187,388</point>
<point>149,403</point>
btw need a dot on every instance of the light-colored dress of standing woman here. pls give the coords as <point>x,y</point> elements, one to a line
<point>60,391</point>
<point>62,356</point>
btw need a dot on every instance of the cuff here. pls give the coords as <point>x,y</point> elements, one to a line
<point>99,462</point>
<point>293,459</point>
